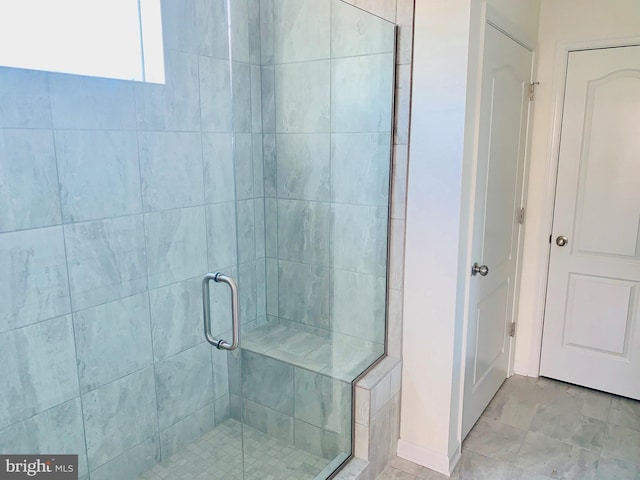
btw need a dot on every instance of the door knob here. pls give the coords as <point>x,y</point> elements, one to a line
<point>483,270</point>
<point>561,241</point>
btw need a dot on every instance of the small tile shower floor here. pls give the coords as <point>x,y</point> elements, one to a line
<point>219,455</point>
<point>539,429</point>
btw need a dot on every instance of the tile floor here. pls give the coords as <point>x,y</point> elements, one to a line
<point>538,429</point>
<point>219,454</point>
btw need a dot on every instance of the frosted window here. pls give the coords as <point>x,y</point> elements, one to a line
<point>101,38</point>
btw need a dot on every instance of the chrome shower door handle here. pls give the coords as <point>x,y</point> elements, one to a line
<point>206,309</point>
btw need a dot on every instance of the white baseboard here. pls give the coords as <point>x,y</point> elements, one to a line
<point>523,369</point>
<point>437,461</point>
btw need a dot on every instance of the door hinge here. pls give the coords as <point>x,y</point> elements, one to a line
<point>521,216</point>
<point>512,329</point>
<point>532,90</point>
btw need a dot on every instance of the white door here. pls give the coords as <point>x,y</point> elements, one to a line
<point>591,329</point>
<point>504,113</point>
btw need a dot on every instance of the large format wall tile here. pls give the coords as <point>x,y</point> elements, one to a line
<point>219,174</point>
<point>239,30</point>
<point>243,164</point>
<point>215,95</point>
<point>248,292</point>
<point>258,165</point>
<point>304,166</point>
<point>260,228</point>
<point>34,279</point>
<point>358,304</point>
<point>99,174</point>
<point>246,231</point>
<point>119,416</point>
<point>268,88</point>
<point>256,96</point>
<point>360,164</point>
<point>324,443</point>
<point>176,245</point>
<point>241,95</point>
<point>267,382</point>
<point>174,438</point>
<point>221,235</point>
<point>271,227</point>
<point>304,293</point>
<point>219,361</point>
<point>267,11</point>
<point>323,401</point>
<point>303,231</point>
<point>29,193</point>
<point>46,377</point>
<point>175,105</point>
<point>24,99</point>
<point>112,340</point>
<point>269,421</point>
<point>361,92</point>
<point>184,384</point>
<point>301,30</point>
<point>222,408</point>
<point>270,162</point>
<point>302,93</point>
<point>79,102</point>
<point>272,289</point>
<point>356,32</point>
<point>254,26</point>
<point>196,26</point>
<point>58,429</point>
<point>106,260</point>
<point>171,169</point>
<point>360,239</point>
<point>131,463</point>
<point>176,317</point>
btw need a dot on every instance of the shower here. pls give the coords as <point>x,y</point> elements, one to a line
<point>246,191</point>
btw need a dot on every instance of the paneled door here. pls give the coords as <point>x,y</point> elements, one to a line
<point>591,329</point>
<point>504,114</point>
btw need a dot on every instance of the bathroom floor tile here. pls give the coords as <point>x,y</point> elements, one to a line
<point>542,429</point>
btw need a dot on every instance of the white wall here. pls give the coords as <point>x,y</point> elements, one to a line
<point>447,50</point>
<point>519,17</point>
<point>561,22</point>
<point>441,42</point>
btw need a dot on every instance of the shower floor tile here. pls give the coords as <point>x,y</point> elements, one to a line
<point>219,455</point>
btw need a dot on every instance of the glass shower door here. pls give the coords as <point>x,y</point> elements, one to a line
<point>312,231</point>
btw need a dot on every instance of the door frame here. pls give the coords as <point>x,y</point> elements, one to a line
<point>551,176</point>
<point>488,16</point>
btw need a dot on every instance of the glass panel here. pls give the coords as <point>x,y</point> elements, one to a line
<point>326,72</point>
<point>265,156</point>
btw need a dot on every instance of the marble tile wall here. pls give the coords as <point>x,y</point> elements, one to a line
<point>115,198</point>
<point>327,97</point>
<point>297,406</point>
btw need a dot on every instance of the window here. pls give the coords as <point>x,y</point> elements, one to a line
<point>102,38</point>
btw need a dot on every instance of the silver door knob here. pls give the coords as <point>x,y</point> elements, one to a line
<point>483,270</point>
<point>561,241</point>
